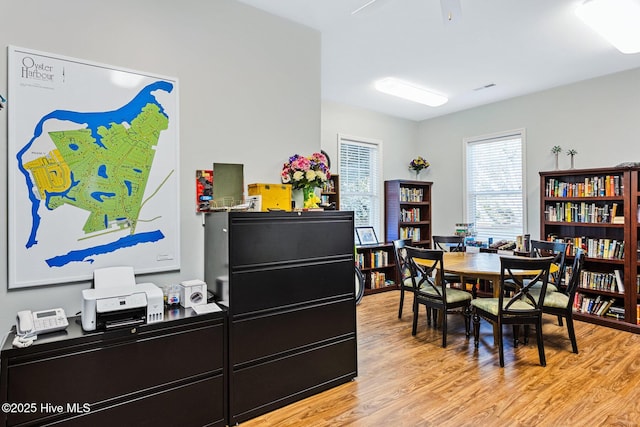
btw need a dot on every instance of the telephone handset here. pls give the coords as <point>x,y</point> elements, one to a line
<point>30,324</point>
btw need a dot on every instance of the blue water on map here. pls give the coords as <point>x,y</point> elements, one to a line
<point>102,171</point>
<point>91,121</point>
<point>124,242</point>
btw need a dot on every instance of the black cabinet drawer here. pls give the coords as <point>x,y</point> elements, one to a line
<point>197,404</point>
<point>286,285</point>
<point>275,238</point>
<point>289,330</point>
<point>263,387</point>
<point>93,374</point>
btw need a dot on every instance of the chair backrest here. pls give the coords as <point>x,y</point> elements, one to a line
<point>510,272</point>
<point>448,243</point>
<point>402,262</point>
<point>558,250</point>
<point>427,271</point>
<point>576,272</point>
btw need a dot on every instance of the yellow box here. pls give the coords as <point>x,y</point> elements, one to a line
<point>274,196</point>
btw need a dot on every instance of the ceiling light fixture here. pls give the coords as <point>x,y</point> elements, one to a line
<point>615,20</point>
<point>405,90</point>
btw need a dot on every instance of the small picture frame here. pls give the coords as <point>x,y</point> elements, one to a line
<point>366,235</point>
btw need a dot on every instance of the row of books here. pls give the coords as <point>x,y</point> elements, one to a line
<point>597,186</point>
<point>412,233</point>
<point>376,259</point>
<point>379,280</point>
<point>329,186</point>
<point>598,306</point>
<point>582,212</point>
<point>611,282</point>
<point>410,215</point>
<point>408,194</point>
<point>594,248</point>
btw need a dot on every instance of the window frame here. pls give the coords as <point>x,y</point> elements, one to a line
<point>496,137</point>
<point>379,185</point>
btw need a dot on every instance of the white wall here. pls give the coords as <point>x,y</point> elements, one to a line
<point>249,93</point>
<point>398,136</point>
<point>600,118</point>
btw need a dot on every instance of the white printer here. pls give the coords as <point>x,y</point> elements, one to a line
<point>117,301</point>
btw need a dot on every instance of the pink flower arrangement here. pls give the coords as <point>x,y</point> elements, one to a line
<point>303,172</point>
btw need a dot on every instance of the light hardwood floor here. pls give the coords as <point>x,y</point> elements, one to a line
<point>412,381</point>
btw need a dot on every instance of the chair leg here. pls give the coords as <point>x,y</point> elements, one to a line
<point>444,328</point>
<point>500,346</point>
<point>414,329</point>
<point>543,360</point>
<point>559,320</point>
<point>572,334</point>
<point>467,321</point>
<point>516,331</point>
<point>401,302</point>
<point>476,328</point>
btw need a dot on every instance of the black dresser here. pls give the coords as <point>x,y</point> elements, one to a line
<point>291,307</point>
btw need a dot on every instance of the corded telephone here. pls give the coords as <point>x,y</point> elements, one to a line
<point>29,324</point>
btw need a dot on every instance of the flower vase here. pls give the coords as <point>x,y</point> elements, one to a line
<point>309,195</point>
<point>417,175</point>
<point>572,161</point>
<point>557,166</point>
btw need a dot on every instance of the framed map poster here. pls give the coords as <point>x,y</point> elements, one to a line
<point>92,169</point>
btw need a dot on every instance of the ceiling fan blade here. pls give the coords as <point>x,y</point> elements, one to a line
<point>367,4</point>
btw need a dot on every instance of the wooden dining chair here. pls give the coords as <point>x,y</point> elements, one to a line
<point>404,272</point>
<point>560,303</point>
<point>430,290</point>
<point>518,307</point>
<point>450,244</point>
<point>558,250</point>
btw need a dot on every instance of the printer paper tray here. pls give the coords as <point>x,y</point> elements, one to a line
<point>121,319</point>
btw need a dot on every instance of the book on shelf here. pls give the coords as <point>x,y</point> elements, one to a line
<point>619,281</point>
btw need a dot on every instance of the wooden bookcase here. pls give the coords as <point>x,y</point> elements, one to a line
<point>331,191</point>
<point>378,265</point>
<point>408,211</point>
<point>578,206</point>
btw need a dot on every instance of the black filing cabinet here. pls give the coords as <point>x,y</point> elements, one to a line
<point>166,373</point>
<point>291,307</point>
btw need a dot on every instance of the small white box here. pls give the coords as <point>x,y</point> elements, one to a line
<point>192,293</point>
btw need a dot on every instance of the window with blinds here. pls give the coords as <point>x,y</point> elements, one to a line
<point>495,201</point>
<point>359,169</point>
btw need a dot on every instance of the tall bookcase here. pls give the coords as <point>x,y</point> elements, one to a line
<point>408,211</point>
<point>597,209</point>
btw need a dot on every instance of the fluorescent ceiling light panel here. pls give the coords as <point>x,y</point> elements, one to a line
<point>618,21</point>
<point>409,91</point>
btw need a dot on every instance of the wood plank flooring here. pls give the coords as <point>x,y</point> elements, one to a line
<point>412,381</point>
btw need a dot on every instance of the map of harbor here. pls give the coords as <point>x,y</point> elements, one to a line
<point>102,168</point>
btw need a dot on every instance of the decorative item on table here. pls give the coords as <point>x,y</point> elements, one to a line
<point>556,149</point>
<point>306,174</point>
<point>418,165</point>
<point>572,153</point>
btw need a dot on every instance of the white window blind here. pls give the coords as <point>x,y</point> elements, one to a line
<point>495,192</point>
<point>359,165</point>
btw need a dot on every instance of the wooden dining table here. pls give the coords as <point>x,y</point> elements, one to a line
<point>481,265</point>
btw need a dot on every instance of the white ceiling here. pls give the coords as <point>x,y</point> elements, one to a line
<point>521,46</point>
